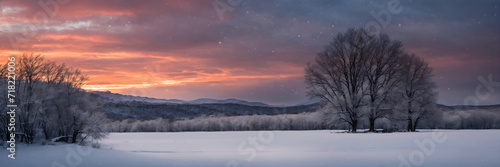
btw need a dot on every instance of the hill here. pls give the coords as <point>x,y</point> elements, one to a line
<point>118,106</point>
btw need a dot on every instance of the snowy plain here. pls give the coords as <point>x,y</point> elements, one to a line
<point>453,148</point>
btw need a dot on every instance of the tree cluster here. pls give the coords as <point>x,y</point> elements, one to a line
<point>369,77</point>
<point>51,102</point>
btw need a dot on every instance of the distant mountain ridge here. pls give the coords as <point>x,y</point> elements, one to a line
<point>227,101</point>
<point>115,97</point>
<point>118,106</point>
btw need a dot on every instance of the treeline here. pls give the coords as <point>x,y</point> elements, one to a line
<point>51,103</point>
<point>471,119</point>
<point>319,120</point>
<point>145,110</point>
<point>302,121</point>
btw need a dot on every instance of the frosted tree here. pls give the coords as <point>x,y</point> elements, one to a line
<point>418,95</point>
<point>338,75</point>
<point>29,68</point>
<point>382,67</point>
<point>52,103</point>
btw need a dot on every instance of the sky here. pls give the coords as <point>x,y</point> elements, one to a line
<point>254,50</point>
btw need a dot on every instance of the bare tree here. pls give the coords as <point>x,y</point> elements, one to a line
<point>53,74</point>
<point>338,75</point>
<point>418,93</point>
<point>30,67</point>
<point>382,68</point>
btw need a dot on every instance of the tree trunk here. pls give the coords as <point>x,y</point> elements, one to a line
<point>45,132</point>
<point>410,127</point>
<point>372,124</point>
<point>354,125</point>
<point>415,126</point>
<point>75,135</point>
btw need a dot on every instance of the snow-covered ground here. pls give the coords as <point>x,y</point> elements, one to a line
<point>454,148</point>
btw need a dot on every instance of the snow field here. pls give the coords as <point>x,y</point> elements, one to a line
<point>454,148</point>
